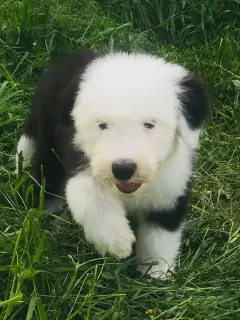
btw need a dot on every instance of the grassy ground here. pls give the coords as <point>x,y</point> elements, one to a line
<point>47,271</point>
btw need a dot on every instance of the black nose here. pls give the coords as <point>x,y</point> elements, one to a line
<point>123,169</point>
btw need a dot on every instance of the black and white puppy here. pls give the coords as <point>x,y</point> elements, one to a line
<point>118,134</point>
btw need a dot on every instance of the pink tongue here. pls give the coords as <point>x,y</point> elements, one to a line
<point>128,187</point>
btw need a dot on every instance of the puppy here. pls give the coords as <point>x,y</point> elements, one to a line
<point>117,134</point>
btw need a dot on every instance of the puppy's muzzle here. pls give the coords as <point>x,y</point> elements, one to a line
<point>123,170</point>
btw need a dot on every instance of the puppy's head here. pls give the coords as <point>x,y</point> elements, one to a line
<point>129,114</point>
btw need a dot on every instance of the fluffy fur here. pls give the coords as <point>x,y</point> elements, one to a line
<point>117,134</point>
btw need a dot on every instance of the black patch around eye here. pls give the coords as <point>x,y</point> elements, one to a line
<point>103,125</point>
<point>149,125</point>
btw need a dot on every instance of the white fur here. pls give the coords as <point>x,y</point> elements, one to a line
<point>101,215</point>
<point>26,146</point>
<point>125,91</point>
<point>156,245</point>
<point>169,183</point>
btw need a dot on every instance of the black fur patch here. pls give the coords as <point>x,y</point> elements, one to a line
<point>173,218</point>
<point>49,122</point>
<point>194,101</point>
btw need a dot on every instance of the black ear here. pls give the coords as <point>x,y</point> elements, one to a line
<point>194,101</point>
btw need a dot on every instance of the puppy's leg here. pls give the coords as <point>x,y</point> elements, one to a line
<point>101,215</point>
<point>157,245</point>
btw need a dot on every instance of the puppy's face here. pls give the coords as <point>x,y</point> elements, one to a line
<point>126,119</point>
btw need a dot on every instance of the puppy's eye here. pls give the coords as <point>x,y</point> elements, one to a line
<point>103,125</point>
<point>149,125</point>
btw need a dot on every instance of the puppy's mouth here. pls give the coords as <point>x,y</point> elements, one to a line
<point>128,186</point>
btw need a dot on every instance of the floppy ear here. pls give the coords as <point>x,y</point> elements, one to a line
<point>194,109</point>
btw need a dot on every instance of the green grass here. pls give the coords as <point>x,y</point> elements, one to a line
<point>47,270</point>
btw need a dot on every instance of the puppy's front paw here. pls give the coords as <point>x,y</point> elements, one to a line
<point>113,236</point>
